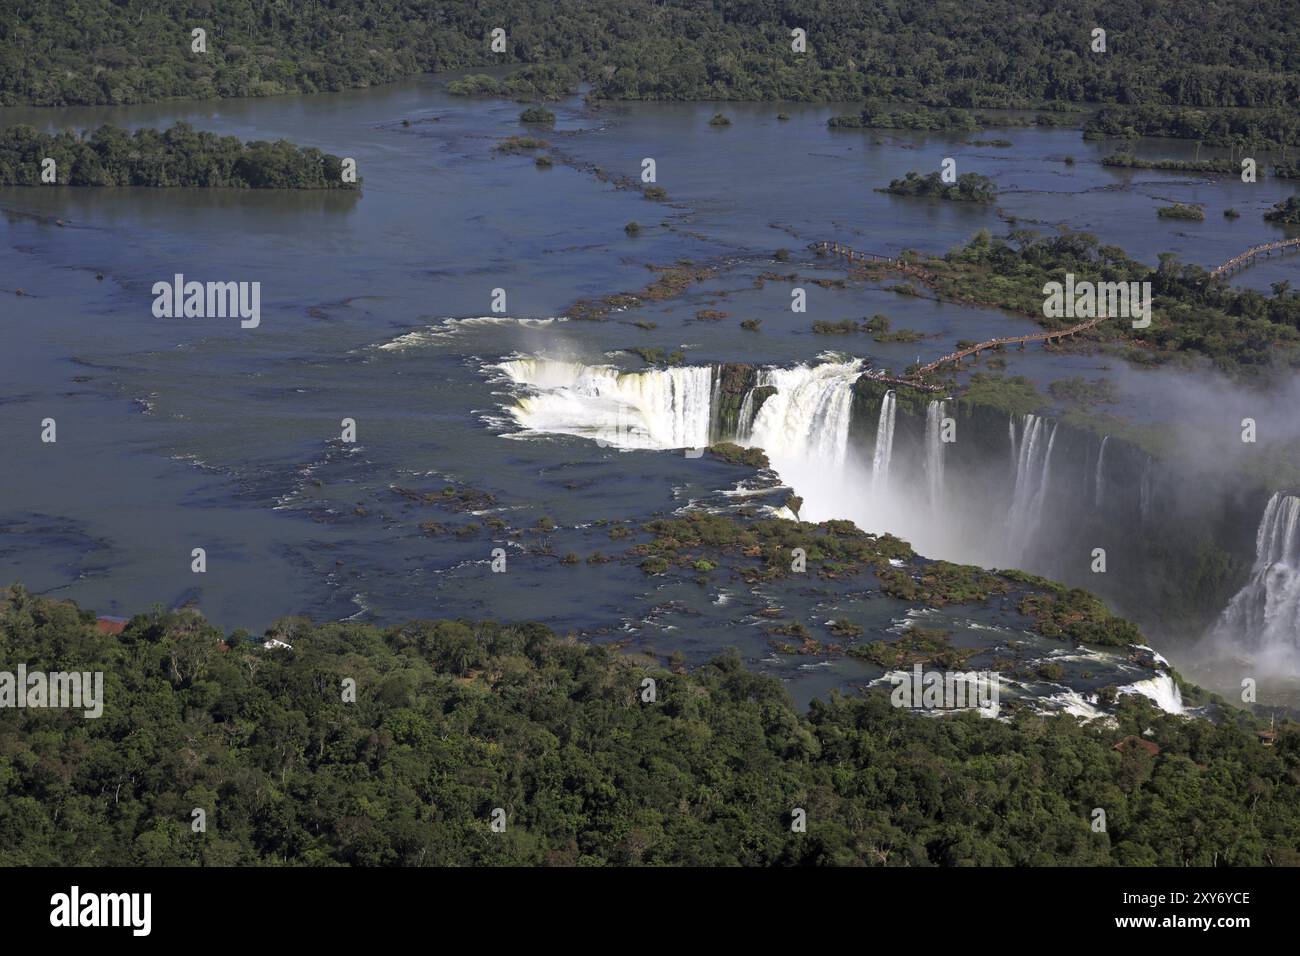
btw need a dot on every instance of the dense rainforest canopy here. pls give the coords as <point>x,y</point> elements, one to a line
<point>979,53</point>
<point>968,187</point>
<point>453,720</point>
<point>180,156</point>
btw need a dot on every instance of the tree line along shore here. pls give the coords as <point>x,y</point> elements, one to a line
<point>455,724</point>
<point>93,52</point>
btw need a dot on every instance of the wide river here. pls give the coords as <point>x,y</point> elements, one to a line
<point>176,434</point>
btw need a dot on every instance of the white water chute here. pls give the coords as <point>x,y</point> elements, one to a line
<point>1265,614</point>
<point>934,452</point>
<point>1099,479</point>
<point>808,415</point>
<point>655,408</point>
<point>1033,466</point>
<point>1162,689</point>
<point>884,451</point>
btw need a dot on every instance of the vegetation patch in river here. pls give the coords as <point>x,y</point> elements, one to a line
<point>1073,613</point>
<point>916,645</point>
<point>1182,211</point>
<point>1286,212</point>
<point>735,454</point>
<point>1129,161</point>
<point>669,282</point>
<point>179,156</point>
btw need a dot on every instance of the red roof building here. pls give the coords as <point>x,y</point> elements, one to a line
<point>1131,741</point>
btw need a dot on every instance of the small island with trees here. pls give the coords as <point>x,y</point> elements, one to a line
<point>1182,211</point>
<point>969,187</point>
<point>1286,212</point>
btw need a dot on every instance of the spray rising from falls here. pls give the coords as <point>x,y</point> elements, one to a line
<point>804,422</point>
<point>800,416</point>
<point>1265,614</point>
<point>1033,457</point>
<point>934,446</point>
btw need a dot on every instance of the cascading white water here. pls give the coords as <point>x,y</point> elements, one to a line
<point>807,419</point>
<point>934,451</point>
<point>1265,614</point>
<point>1023,490</point>
<point>656,408</point>
<point>884,452</point>
<point>1162,689</point>
<point>745,418</point>
<point>803,425</point>
<point>1099,486</point>
<point>1040,494</point>
<point>1033,471</point>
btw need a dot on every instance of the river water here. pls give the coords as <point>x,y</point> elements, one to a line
<point>175,434</point>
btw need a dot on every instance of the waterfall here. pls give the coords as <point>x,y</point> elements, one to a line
<point>1033,470</point>
<point>934,451</point>
<point>884,452</point>
<point>715,404</point>
<point>1041,494</point>
<point>1146,491</point>
<point>1100,478</point>
<point>1265,614</point>
<point>1023,491</point>
<point>745,417</point>
<point>655,408</point>
<point>1162,689</point>
<point>807,419</point>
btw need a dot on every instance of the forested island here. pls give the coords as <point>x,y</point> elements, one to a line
<point>969,187</point>
<point>877,116</point>
<point>179,156</point>
<point>1242,331</point>
<point>105,52</point>
<point>1181,210</point>
<point>913,119</point>
<point>1129,161</point>
<point>1286,212</point>
<point>452,720</point>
